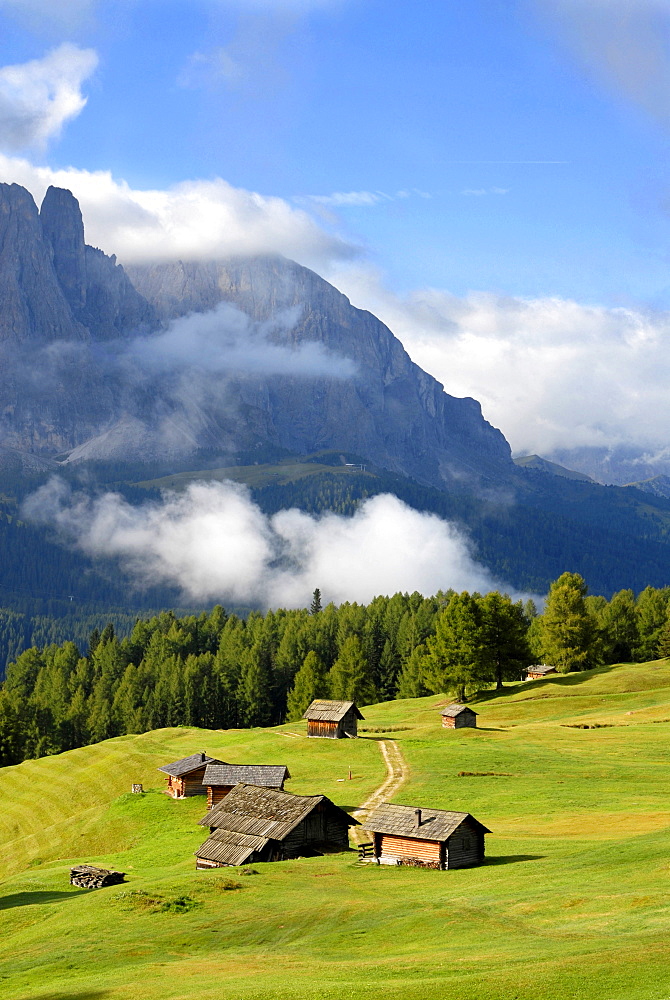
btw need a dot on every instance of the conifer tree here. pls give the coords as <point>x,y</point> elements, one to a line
<point>504,637</point>
<point>315,606</point>
<point>349,678</point>
<point>568,634</point>
<point>310,683</point>
<point>455,659</point>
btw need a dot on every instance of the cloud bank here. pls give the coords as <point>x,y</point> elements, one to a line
<point>37,98</point>
<point>226,340</point>
<point>193,220</point>
<point>550,373</point>
<point>214,543</point>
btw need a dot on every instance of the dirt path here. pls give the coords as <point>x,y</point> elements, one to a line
<point>397,770</point>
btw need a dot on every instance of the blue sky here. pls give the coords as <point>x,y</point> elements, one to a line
<point>427,153</point>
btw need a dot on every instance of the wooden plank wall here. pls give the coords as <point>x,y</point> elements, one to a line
<point>215,793</point>
<point>409,847</point>
<point>329,729</point>
<point>465,847</point>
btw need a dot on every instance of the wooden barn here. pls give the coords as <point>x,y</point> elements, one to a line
<point>333,719</point>
<point>185,775</point>
<point>459,717</point>
<point>538,671</point>
<point>219,779</point>
<point>426,838</point>
<point>253,824</point>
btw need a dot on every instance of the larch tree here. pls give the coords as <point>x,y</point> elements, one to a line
<point>568,633</point>
<point>310,683</point>
<point>455,659</point>
<point>504,637</point>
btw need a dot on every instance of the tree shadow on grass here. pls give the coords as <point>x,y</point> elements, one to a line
<point>80,995</point>
<point>513,859</point>
<point>39,896</point>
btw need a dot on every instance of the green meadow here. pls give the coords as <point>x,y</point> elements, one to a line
<point>573,901</point>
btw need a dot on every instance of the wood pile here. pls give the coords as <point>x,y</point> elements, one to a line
<point>88,877</point>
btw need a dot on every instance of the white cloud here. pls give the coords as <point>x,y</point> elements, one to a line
<point>215,544</point>
<point>626,43</point>
<point>550,373</point>
<point>480,192</point>
<point>38,97</point>
<point>347,199</point>
<point>226,340</point>
<point>193,220</point>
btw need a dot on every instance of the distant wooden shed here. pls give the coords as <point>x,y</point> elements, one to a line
<point>459,717</point>
<point>184,777</point>
<point>219,778</point>
<point>253,824</point>
<point>332,719</point>
<point>426,838</point>
<point>538,671</point>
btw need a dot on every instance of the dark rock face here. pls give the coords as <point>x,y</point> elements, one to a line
<point>71,318</point>
<point>96,287</point>
<point>391,411</point>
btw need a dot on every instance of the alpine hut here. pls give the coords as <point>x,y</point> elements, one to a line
<point>185,775</point>
<point>459,717</point>
<point>219,778</point>
<point>333,719</point>
<point>426,838</point>
<point>266,824</point>
<point>538,671</point>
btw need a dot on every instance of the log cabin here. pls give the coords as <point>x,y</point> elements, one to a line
<point>425,838</point>
<point>459,717</point>
<point>332,719</point>
<point>538,671</point>
<point>253,824</point>
<point>220,779</point>
<point>185,775</point>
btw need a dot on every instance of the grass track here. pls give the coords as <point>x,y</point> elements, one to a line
<point>572,903</point>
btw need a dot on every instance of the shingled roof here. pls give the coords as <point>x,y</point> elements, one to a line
<point>188,764</point>
<point>541,668</point>
<point>264,775</point>
<point>329,711</point>
<point>436,824</point>
<point>230,848</point>
<point>263,812</point>
<point>453,710</point>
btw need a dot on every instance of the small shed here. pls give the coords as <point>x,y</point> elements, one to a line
<point>219,779</point>
<point>426,838</point>
<point>459,717</point>
<point>538,671</point>
<point>185,775</point>
<point>333,719</point>
<point>253,824</point>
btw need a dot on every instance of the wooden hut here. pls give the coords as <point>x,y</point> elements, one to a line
<point>333,719</point>
<point>426,838</point>
<point>185,775</point>
<point>538,671</point>
<point>253,824</point>
<point>219,779</point>
<point>459,717</point>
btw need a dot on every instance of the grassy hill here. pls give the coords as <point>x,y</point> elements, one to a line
<point>572,902</point>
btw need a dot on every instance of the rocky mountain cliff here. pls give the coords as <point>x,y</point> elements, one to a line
<point>91,372</point>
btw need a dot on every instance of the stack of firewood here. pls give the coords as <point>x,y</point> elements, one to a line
<point>88,877</point>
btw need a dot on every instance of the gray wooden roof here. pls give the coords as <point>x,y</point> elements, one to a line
<point>264,812</point>
<point>453,710</point>
<point>230,848</point>
<point>188,764</point>
<point>265,775</point>
<point>436,824</point>
<point>329,711</point>
<point>541,668</point>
